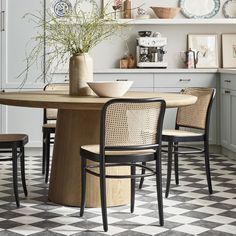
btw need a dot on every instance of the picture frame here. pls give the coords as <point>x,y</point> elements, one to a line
<point>109,7</point>
<point>206,46</point>
<point>229,50</point>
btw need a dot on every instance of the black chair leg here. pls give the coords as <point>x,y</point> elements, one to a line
<point>169,168</point>
<point>207,166</point>
<point>159,188</point>
<point>22,162</point>
<point>142,178</point>
<point>83,186</point>
<point>176,161</point>
<point>15,182</point>
<point>44,154</point>
<point>47,157</point>
<point>103,195</point>
<point>132,199</point>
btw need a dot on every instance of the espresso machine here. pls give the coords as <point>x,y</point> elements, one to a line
<point>151,51</point>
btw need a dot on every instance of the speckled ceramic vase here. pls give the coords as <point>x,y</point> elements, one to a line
<point>80,72</point>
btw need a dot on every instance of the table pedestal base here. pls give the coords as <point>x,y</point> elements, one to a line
<point>74,129</point>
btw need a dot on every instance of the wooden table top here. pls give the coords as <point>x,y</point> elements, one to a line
<point>60,100</point>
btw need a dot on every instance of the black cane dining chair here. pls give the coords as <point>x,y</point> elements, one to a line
<point>14,144</point>
<point>49,126</point>
<point>130,133</point>
<point>196,116</point>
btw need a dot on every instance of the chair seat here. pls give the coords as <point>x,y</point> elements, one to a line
<point>111,156</point>
<point>13,137</point>
<point>49,128</point>
<point>181,135</point>
<point>49,125</point>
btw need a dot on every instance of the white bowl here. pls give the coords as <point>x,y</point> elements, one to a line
<point>110,88</point>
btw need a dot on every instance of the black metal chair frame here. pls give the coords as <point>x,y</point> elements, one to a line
<point>16,148</point>
<point>48,139</point>
<point>173,143</point>
<point>123,160</point>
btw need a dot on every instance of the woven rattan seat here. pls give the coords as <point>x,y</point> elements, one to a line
<point>130,133</point>
<point>180,133</point>
<point>49,126</point>
<point>95,149</point>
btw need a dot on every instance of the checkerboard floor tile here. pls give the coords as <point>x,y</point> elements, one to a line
<point>189,210</point>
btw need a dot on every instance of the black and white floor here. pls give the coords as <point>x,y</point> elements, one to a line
<point>189,210</point>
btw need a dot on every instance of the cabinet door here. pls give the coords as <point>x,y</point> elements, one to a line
<point>232,113</point>
<point>23,120</point>
<point>17,42</point>
<point>225,118</point>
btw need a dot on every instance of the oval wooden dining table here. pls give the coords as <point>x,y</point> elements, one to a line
<point>78,124</point>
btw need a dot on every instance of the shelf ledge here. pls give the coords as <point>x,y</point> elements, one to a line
<point>178,21</point>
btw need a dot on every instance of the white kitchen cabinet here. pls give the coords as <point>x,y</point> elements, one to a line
<point>140,80</point>
<point>23,120</point>
<point>228,111</point>
<point>16,35</point>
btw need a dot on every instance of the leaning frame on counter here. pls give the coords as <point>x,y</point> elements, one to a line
<point>207,47</point>
<point>229,50</point>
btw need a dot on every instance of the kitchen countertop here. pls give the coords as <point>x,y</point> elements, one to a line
<point>155,70</point>
<point>227,71</point>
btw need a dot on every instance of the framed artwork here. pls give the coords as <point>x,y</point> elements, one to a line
<point>206,48</point>
<point>113,8</point>
<point>229,50</point>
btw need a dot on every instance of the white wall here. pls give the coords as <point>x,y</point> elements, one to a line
<point>108,53</point>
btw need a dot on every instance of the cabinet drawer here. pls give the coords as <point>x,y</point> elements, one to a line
<point>228,81</point>
<point>184,80</point>
<point>140,80</point>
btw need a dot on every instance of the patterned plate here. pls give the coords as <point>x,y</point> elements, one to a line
<point>199,8</point>
<point>60,7</point>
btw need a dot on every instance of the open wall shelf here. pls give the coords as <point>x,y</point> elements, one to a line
<point>179,21</point>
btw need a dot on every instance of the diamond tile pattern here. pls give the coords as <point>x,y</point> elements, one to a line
<point>189,210</point>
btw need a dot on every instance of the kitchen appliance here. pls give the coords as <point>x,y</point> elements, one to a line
<point>150,52</point>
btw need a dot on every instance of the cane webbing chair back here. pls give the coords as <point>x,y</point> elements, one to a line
<point>195,116</point>
<point>51,114</point>
<point>130,122</point>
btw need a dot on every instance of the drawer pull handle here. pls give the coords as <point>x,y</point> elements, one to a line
<point>184,80</point>
<point>3,21</point>
<point>121,80</point>
<point>66,80</point>
<point>227,81</point>
<point>227,91</point>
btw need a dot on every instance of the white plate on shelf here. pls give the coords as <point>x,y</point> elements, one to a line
<point>199,8</point>
<point>229,9</point>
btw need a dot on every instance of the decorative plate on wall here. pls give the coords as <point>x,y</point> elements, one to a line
<point>199,8</point>
<point>229,9</point>
<point>60,7</point>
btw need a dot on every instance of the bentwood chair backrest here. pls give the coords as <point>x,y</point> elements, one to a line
<point>49,113</point>
<point>198,114</point>
<point>132,123</point>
